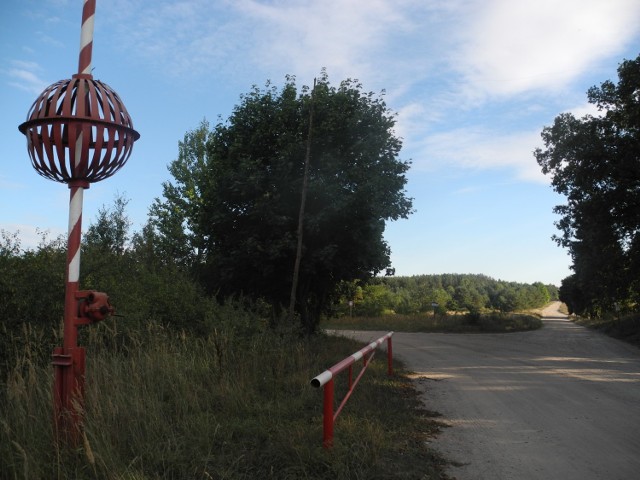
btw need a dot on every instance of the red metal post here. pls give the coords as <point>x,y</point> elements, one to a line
<point>389,356</point>
<point>327,420</point>
<point>69,362</point>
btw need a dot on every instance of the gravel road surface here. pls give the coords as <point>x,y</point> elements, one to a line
<point>560,403</point>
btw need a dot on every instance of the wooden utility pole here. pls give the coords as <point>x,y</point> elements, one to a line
<point>303,200</point>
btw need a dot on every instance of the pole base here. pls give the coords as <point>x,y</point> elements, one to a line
<point>68,393</point>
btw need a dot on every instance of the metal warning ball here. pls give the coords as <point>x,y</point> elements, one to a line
<point>78,130</point>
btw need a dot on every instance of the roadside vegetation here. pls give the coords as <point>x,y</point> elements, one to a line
<point>183,386</point>
<point>205,372</point>
<point>234,403</point>
<point>623,327</point>
<point>482,323</point>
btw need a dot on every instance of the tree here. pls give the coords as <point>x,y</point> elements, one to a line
<point>595,162</point>
<point>32,281</point>
<point>174,221</point>
<point>110,231</point>
<point>237,192</point>
<point>142,283</point>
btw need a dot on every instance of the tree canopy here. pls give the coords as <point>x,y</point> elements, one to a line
<point>595,162</point>
<point>441,293</point>
<point>232,207</point>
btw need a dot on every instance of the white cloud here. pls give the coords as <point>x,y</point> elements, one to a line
<point>341,35</point>
<point>518,46</point>
<point>440,60</point>
<point>472,47</point>
<point>24,75</point>
<point>351,38</point>
<point>410,121</point>
<point>481,149</point>
<point>185,38</point>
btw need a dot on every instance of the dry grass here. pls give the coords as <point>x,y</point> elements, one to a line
<point>235,404</point>
<point>485,323</point>
<point>623,327</point>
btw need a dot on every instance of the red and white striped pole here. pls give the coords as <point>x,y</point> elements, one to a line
<point>77,188</point>
<point>70,359</point>
<point>86,37</point>
<point>73,262</point>
<point>78,132</point>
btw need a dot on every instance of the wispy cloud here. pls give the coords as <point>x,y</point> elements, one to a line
<point>438,59</point>
<point>25,76</point>
<point>476,48</point>
<point>188,38</point>
<point>481,149</point>
<point>7,184</point>
<point>195,37</point>
<point>341,35</point>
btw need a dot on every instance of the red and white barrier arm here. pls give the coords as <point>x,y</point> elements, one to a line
<point>325,380</point>
<point>324,377</point>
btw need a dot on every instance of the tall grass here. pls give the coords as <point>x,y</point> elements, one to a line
<point>470,323</point>
<point>232,404</point>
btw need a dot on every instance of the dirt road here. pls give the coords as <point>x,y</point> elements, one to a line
<point>562,402</point>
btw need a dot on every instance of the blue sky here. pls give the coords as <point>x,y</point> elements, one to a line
<point>473,83</point>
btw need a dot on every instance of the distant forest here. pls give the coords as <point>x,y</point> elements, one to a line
<point>442,293</point>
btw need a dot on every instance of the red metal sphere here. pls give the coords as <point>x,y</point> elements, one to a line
<point>78,130</point>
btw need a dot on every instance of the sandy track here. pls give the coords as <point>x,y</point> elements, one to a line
<point>562,402</point>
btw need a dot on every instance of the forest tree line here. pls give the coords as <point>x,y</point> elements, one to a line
<point>472,293</point>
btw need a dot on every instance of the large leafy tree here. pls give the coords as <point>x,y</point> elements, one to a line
<point>236,194</point>
<point>595,162</point>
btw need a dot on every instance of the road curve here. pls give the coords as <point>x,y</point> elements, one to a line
<point>562,402</point>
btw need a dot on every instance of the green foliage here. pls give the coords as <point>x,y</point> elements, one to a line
<point>182,387</point>
<point>595,162</point>
<point>448,292</point>
<point>110,231</point>
<point>375,300</point>
<point>141,285</point>
<point>175,226</point>
<point>31,290</point>
<point>141,282</point>
<point>235,198</point>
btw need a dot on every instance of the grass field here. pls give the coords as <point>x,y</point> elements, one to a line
<point>486,323</point>
<point>235,404</point>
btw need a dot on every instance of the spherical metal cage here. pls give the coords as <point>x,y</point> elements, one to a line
<point>78,130</point>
